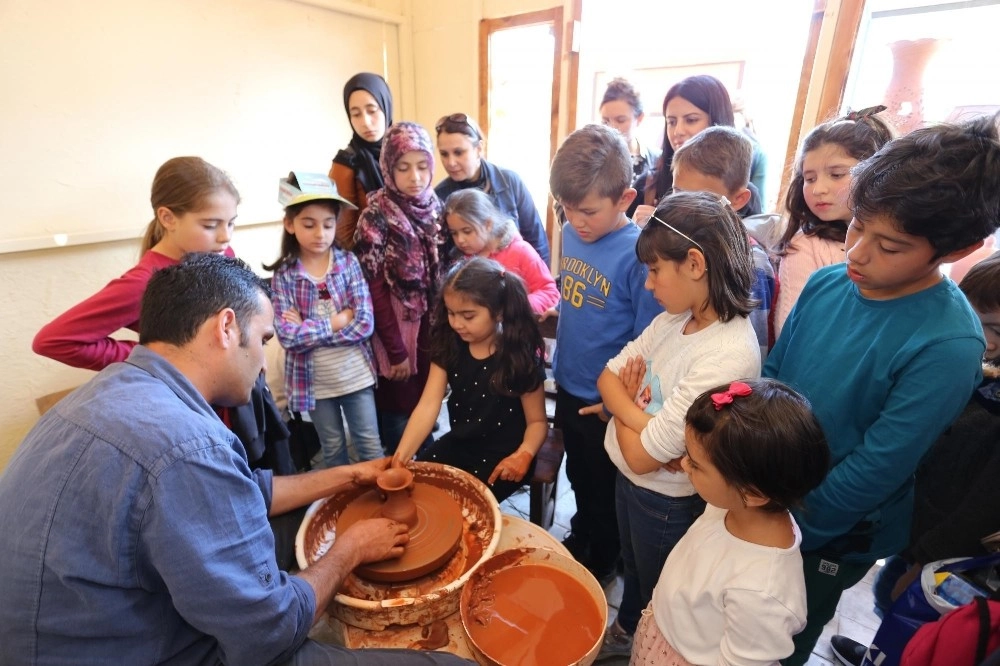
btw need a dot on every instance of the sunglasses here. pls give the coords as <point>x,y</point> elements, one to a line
<point>457,123</point>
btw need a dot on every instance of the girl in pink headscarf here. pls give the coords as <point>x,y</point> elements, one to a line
<point>396,242</point>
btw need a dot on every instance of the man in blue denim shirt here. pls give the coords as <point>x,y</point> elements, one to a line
<point>134,530</point>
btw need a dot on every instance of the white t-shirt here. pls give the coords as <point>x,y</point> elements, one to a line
<point>679,368</point>
<point>722,600</point>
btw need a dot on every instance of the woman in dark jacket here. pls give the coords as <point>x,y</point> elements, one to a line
<point>460,145</point>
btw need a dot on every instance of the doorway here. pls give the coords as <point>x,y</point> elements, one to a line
<point>519,80</point>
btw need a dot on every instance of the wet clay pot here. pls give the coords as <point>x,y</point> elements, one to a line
<point>375,605</point>
<point>397,484</point>
<point>431,513</point>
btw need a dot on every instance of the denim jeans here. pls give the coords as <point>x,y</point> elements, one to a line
<point>650,525</point>
<point>391,426</point>
<point>362,422</point>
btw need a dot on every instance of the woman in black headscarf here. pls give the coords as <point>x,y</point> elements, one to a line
<point>355,169</point>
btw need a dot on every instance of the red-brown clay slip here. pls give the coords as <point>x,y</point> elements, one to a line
<point>522,615</point>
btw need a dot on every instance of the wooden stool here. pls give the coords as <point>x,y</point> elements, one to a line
<point>543,485</point>
<point>545,481</point>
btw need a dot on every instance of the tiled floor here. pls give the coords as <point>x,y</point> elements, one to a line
<point>854,616</point>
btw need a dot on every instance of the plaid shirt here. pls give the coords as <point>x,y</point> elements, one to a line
<point>293,289</point>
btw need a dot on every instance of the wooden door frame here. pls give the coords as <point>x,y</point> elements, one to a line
<point>486,28</point>
<point>821,90</point>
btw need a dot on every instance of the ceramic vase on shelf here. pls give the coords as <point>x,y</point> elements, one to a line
<point>904,95</point>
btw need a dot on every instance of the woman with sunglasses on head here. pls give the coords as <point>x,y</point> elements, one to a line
<point>460,145</point>
<point>355,170</point>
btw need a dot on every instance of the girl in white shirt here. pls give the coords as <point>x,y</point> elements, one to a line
<point>732,590</point>
<point>701,272</point>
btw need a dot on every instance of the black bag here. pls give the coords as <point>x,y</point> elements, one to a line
<point>262,431</point>
<point>303,442</point>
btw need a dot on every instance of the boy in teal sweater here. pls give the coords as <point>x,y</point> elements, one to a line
<point>886,349</point>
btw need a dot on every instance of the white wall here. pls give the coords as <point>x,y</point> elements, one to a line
<point>100,182</point>
<point>440,38</point>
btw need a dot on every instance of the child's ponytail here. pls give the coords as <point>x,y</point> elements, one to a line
<point>519,343</point>
<point>182,184</point>
<point>763,438</point>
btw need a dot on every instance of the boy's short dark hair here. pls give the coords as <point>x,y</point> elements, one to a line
<point>981,285</point>
<point>594,158</point>
<point>940,182</point>
<point>720,152</point>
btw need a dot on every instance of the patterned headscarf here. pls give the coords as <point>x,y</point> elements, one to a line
<point>409,241</point>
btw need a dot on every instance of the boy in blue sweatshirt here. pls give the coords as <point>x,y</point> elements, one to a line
<point>887,349</point>
<point>604,306</point>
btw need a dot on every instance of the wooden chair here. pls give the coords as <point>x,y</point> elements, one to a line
<point>543,486</point>
<point>47,402</point>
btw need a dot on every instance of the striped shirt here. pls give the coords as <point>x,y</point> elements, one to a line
<point>343,286</point>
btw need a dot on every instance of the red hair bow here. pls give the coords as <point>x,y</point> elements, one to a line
<point>726,397</point>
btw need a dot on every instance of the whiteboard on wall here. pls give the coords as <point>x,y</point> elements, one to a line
<point>98,94</point>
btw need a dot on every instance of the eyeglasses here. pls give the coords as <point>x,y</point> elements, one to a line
<point>448,123</point>
<point>679,233</point>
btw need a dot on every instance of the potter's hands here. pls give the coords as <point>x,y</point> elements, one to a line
<point>399,372</point>
<point>291,316</point>
<point>364,473</point>
<point>642,214</point>
<point>375,539</point>
<point>512,468</point>
<point>631,375</point>
<point>370,540</point>
<point>595,409</point>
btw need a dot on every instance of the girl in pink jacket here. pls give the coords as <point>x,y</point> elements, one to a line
<point>478,227</point>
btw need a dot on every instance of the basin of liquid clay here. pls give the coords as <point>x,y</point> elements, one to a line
<point>376,605</point>
<point>518,606</point>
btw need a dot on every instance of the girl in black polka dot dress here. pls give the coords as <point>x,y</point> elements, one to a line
<point>486,345</point>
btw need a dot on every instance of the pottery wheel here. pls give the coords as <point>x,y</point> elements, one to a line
<point>433,539</point>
